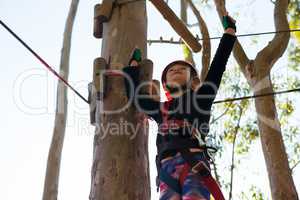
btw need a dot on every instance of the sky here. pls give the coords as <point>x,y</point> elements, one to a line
<point>29,91</point>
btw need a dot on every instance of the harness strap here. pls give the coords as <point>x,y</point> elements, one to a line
<point>197,167</point>
<point>204,176</point>
<point>213,187</point>
<point>181,143</point>
<point>201,169</point>
<point>184,173</point>
<point>208,181</point>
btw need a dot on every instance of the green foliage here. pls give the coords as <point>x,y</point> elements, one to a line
<point>287,108</point>
<point>293,82</point>
<point>254,193</point>
<point>249,133</point>
<point>294,11</point>
<point>294,56</point>
<point>295,24</point>
<point>235,85</point>
<point>186,52</point>
<point>230,115</point>
<point>294,47</point>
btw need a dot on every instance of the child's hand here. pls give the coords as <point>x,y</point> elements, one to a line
<point>136,57</point>
<point>230,31</point>
<point>229,24</point>
<point>134,63</point>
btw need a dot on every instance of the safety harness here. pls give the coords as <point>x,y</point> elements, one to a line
<point>167,143</point>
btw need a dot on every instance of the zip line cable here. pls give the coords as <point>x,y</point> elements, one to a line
<point>84,99</point>
<point>256,96</point>
<point>219,37</point>
<point>42,61</point>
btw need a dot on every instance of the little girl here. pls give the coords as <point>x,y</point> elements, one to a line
<point>182,160</point>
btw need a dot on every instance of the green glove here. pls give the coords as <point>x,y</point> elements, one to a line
<point>228,23</point>
<point>136,56</point>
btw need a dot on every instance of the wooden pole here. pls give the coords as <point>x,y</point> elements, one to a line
<point>120,167</point>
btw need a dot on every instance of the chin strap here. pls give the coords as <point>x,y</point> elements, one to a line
<point>169,90</point>
<point>176,89</point>
<point>168,95</point>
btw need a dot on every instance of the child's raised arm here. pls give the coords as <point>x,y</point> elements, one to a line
<point>207,92</point>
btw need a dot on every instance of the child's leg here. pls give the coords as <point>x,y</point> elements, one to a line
<point>167,193</point>
<point>173,167</point>
<point>193,189</point>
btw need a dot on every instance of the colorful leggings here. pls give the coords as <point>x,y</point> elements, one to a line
<point>192,188</point>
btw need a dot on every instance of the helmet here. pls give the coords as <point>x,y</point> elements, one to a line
<point>180,62</point>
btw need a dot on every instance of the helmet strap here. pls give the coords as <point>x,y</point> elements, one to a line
<point>182,88</point>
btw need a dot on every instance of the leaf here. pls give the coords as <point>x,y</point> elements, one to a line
<point>186,51</point>
<point>295,24</point>
<point>287,108</point>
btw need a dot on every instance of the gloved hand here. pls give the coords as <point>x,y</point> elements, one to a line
<point>228,22</point>
<point>136,57</point>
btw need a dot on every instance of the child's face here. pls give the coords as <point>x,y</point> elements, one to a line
<point>178,75</point>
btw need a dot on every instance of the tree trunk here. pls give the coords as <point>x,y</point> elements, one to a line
<point>280,177</point>
<point>55,151</point>
<point>120,165</point>
<point>257,72</point>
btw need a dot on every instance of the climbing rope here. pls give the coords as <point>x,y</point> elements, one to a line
<point>85,100</point>
<point>43,61</point>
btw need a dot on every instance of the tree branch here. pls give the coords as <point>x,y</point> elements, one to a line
<point>206,55</point>
<point>233,151</point>
<point>274,50</point>
<point>221,115</point>
<point>217,177</point>
<point>177,25</point>
<point>51,182</point>
<point>193,25</point>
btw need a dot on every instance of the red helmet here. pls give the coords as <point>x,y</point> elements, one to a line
<point>180,62</point>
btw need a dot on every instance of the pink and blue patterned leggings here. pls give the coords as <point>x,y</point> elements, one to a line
<point>192,188</point>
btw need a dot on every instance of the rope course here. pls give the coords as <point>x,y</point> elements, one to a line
<point>85,100</point>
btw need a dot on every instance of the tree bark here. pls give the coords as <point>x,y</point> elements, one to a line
<point>120,167</point>
<point>280,176</point>
<point>257,72</point>
<point>55,151</point>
